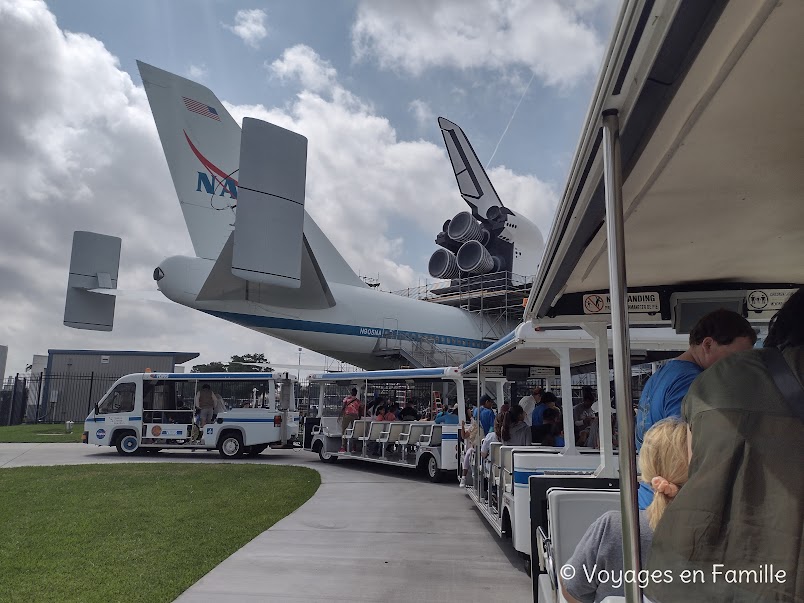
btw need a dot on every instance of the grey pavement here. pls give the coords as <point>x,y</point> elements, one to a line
<point>370,533</point>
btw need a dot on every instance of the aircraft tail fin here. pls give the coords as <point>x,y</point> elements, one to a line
<point>201,141</point>
<point>202,144</point>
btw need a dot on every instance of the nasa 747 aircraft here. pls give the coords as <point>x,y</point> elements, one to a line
<point>266,265</point>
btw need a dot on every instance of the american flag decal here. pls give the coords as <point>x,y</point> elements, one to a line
<point>201,108</point>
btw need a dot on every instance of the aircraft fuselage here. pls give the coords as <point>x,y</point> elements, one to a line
<point>361,322</point>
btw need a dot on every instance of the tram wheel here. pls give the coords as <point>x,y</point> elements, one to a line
<point>256,450</point>
<point>430,466</point>
<point>324,455</point>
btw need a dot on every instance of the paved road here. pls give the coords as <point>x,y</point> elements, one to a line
<point>368,534</point>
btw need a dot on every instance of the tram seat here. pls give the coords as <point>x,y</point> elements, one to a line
<point>404,434</point>
<point>374,433</point>
<point>433,438</point>
<point>355,432</point>
<point>412,437</point>
<point>391,435</point>
<point>570,512</point>
<point>507,462</point>
<point>496,472</point>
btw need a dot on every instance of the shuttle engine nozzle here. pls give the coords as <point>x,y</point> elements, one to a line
<point>463,227</point>
<point>476,259</point>
<point>443,264</point>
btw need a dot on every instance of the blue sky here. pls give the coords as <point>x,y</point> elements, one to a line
<point>178,34</point>
<point>363,80</point>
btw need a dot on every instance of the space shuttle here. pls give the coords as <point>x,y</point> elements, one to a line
<point>262,262</point>
<point>489,237</point>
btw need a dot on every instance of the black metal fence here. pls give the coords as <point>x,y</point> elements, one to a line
<point>51,398</point>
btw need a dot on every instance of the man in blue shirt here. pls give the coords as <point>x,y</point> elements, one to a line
<point>486,413</point>
<point>447,417</point>
<point>717,335</point>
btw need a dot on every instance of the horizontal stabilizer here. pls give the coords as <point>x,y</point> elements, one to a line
<point>313,293</point>
<point>475,186</point>
<point>134,294</point>
<point>270,206</point>
<point>94,264</point>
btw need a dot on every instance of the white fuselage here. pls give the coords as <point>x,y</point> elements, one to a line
<point>361,322</point>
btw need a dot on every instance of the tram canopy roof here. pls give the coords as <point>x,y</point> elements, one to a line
<point>710,101</point>
<point>526,346</point>
<point>394,375</point>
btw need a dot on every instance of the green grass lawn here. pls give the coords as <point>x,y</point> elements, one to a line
<point>41,432</point>
<point>140,532</point>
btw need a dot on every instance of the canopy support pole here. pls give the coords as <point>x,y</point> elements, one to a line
<point>460,393</point>
<point>615,234</point>
<point>566,400</point>
<point>598,331</point>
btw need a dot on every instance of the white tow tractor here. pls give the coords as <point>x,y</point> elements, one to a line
<point>153,411</point>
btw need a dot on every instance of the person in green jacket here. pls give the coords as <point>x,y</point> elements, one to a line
<point>737,524</point>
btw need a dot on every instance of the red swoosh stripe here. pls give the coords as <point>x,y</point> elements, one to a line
<point>214,169</point>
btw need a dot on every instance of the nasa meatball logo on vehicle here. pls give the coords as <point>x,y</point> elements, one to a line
<point>100,434</point>
<point>156,431</point>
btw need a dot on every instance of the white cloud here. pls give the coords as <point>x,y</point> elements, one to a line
<point>548,37</point>
<point>301,63</point>
<point>249,26</point>
<point>422,113</point>
<point>527,195</point>
<point>197,72</point>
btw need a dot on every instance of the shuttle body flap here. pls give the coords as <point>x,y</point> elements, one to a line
<point>94,264</point>
<point>269,223</point>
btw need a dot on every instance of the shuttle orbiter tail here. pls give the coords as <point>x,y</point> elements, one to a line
<point>492,238</point>
<point>473,182</point>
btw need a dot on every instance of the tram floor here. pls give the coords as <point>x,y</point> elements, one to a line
<point>370,533</point>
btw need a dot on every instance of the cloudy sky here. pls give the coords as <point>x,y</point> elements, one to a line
<point>363,80</point>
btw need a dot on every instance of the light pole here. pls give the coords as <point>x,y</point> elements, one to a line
<point>298,373</point>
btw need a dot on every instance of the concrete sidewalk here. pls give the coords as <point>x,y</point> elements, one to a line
<point>369,533</point>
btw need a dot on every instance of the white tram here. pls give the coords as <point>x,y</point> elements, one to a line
<point>429,445</point>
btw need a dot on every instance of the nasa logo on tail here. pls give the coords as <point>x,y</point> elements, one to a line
<point>219,178</point>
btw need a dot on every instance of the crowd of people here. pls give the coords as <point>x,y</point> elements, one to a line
<point>381,409</point>
<point>718,430</point>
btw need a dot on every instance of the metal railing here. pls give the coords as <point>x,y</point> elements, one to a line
<point>421,351</point>
<point>51,398</point>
